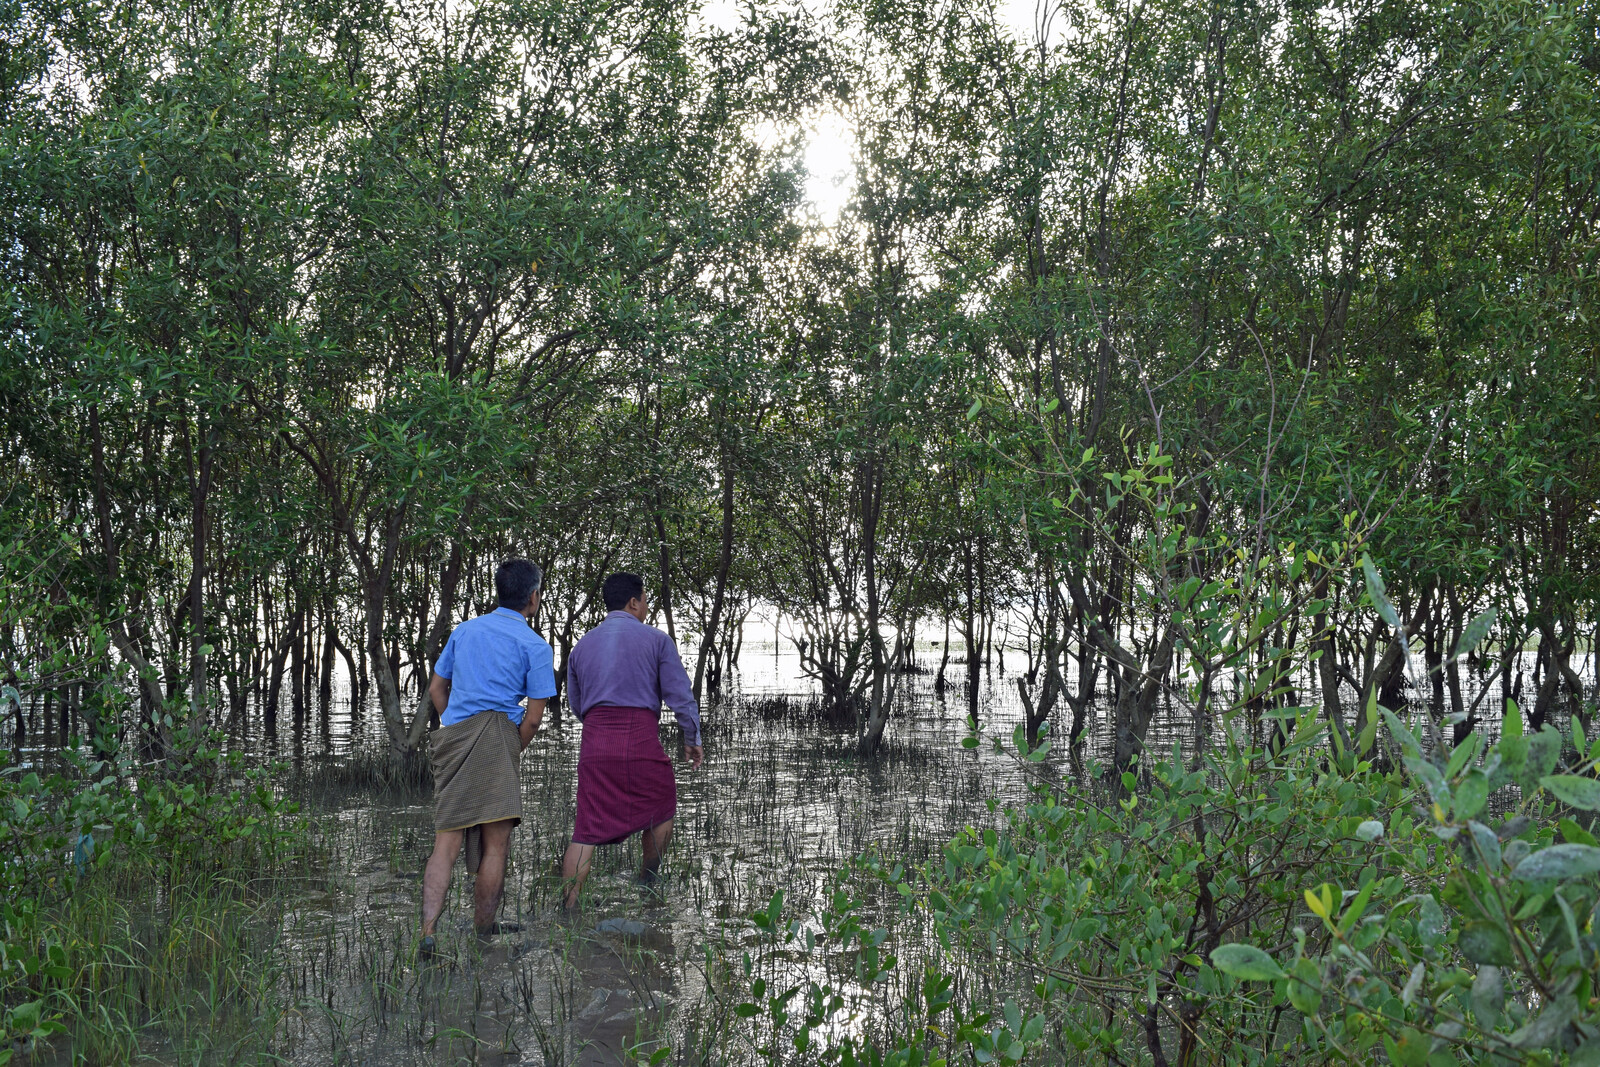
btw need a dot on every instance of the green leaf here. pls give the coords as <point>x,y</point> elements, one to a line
<point>1568,919</point>
<point>1410,1049</point>
<point>1369,830</point>
<point>1544,751</point>
<point>1376,591</point>
<point>1344,762</point>
<point>25,1017</point>
<point>1369,732</point>
<point>1305,987</point>
<point>1430,922</point>
<point>1484,942</point>
<point>1513,753</point>
<point>1487,844</point>
<point>1397,730</point>
<point>1471,794</point>
<point>1246,962</point>
<point>1511,725</point>
<point>1462,755</point>
<point>1546,1030</point>
<point>1357,907</point>
<point>1558,862</point>
<point>1408,993</point>
<point>1575,790</point>
<point>1473,633</point>
<point>1488,994</point>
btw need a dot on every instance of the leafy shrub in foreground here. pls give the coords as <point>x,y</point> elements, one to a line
<point>1253,908</point>
<point>95,822</point>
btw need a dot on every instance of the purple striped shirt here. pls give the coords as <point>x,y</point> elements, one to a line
<point>623,663</point>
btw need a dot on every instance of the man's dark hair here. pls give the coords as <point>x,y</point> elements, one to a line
<point>515,581</point>
<point>621,588</point>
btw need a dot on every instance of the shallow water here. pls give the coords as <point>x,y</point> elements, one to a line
<point>779,804</point>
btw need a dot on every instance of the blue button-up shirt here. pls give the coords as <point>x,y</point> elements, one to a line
<point>492,663</point>
<point>623,663</point>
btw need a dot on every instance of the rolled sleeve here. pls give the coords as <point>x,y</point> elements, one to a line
<point>541,680</point>
<point>446,664</point>
<point>677,693</point>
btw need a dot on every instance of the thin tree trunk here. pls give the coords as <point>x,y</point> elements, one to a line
<point>197,577</point>
<point>1328,670</point>
<point>325,662</point>
<point>279,659</point>
<point>1136,707</point>
<point>944,660</point>
<point>665,558</point>
<point>448,582</point>
<point>349,662</point>
<point>1388,674</point>
<point>882,684</point>
<point>724,563</point>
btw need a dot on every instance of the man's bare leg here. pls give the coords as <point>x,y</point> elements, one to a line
<point>491,883</point>
<point>575,868</point>
<point>436,877</point>
<point>655,840</point>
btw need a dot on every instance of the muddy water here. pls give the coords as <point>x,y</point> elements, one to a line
<point>780,803</point>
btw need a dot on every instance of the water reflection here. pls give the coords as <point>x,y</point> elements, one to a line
<point>780,803</point>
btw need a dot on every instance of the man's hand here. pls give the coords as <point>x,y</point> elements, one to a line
<point>531,720</point>
<point>696,756</point>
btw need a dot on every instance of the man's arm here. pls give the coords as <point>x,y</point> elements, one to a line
<point>574,684</point>
<point>540,686</point>
<point>679,696</point>
<point>532,718</point>
<point>443,668</point>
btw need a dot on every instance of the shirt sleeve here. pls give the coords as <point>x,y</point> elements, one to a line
<point>541,681</point>
<point>676,691</point>
<point>446,664</point>
<point>574,700</point>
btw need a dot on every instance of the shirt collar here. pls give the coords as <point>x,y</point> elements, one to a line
<point>510,613</point>
<point>620,614</point>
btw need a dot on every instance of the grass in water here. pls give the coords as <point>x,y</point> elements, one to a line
<point>315,959</point>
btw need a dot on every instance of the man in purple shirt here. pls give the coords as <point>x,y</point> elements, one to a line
<point>618,676</point>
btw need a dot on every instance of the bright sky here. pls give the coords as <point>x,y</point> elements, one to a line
<point>829,152</point>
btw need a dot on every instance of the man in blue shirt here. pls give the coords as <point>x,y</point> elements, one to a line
<point>490,665</point>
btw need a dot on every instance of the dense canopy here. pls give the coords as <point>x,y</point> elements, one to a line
<point>313,311</point>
